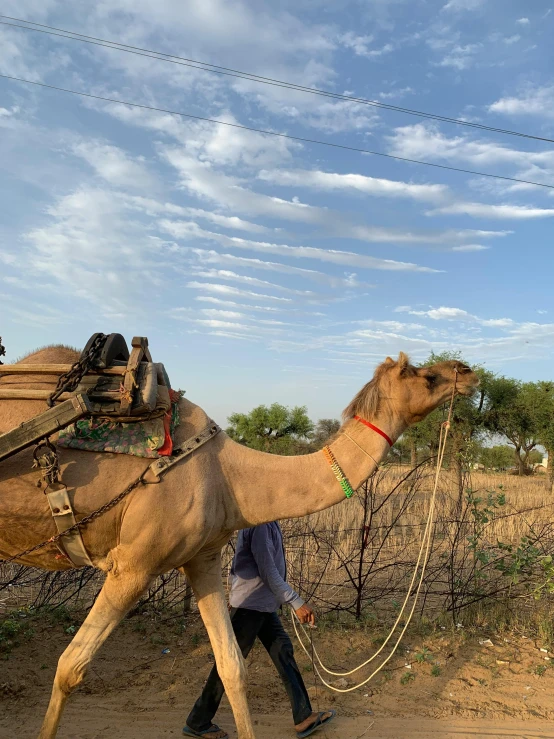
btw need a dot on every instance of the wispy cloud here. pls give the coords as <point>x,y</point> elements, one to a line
<point>487,210</point>
<point>186,230</point>
<point>362,45</point>
<point>225,274</point>
<point>460,5</point>
<point>233,291</point>
<point>332,181</point>
<point>536,101</point>
<point>426,141</point>
<point>445,313</point>
<point>213,257</point>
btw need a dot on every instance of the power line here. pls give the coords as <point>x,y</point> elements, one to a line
<point>230,72</point>
<point>275,133</point>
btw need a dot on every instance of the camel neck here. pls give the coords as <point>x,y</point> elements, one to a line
<point>272,487</point>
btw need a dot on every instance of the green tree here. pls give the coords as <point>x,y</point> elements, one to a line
<point>519,415</point>
<point>498,457</point>
<point>324,430</point>
<point>277,428</point>
<point>546,423</point>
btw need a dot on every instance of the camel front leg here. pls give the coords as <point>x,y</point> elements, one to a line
<point>118,595</point>
<point>204,573</point>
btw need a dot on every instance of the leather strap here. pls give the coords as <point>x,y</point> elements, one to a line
<point>64,518</point>
<point>161,465</point>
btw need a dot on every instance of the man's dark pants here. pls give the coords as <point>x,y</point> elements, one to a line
<point>267,627</point>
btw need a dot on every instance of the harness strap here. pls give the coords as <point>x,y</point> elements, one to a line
<point>161,465</point>
<point>64,518</point>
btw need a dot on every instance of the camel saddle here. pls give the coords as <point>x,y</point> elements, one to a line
<point>111,400</point>
<point>120,388</point>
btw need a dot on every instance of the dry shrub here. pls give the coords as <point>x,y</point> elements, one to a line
<point>492,544</point>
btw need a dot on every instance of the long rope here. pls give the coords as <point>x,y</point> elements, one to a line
<point>423,554</point>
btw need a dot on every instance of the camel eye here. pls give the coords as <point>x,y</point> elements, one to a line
<point>463,369</point>
<point>431,379</point>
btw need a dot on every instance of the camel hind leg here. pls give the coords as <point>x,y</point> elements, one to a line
<point>118,595</point>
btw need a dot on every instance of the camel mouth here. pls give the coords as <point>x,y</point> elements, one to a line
<point>468,390</point>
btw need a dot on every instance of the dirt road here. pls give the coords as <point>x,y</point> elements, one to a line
<point>88,723</point>
<point>143,683</point>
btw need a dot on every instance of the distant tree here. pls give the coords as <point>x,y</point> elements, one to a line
<point>324,430</point>
<point>535,458</point>
<point>275,428</point>
<point>496,457</point>
<point>546,423</point>
<point>519,415</point>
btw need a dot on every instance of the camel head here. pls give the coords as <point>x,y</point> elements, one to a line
<point>412,392</point>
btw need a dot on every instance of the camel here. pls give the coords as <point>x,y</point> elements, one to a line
<point>186,519</point>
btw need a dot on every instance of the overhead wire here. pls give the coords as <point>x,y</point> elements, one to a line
<point>266,132</point>
<point>229,71</point>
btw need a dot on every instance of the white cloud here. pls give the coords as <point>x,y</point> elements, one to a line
<point>470,247</point>
<point>115,165</point>
<point>154,207</point>
<point>225,274</point>
<point>234,291</point>
<point>523,21</point>
<point>445,313</point>
<point>213,257</point>
<point>187,230</point>
<point>225,145</point>
<point>537,101</point>
<point>331,181</point>
<point>460,57</point>
<point>361,45</point>
<point>486,210</point>
<point>95,251</point>
<point>396,94</point>
<point>426,141</point>
<point>9,112</point>
<point>509,40</point>
<point>219,301</point>
<point>458,5</point>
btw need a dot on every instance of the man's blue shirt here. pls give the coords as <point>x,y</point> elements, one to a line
<point>258,572</point>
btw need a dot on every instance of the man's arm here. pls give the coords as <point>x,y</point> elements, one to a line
<point>260,546</point>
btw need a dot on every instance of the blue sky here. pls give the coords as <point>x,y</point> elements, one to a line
<point>260,268</point>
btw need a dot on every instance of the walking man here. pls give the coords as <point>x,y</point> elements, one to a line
<point>258,588</point>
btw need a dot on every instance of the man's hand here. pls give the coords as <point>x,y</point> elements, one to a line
<point>306,615</point>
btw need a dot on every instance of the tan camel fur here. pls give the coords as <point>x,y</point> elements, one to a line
<point>186,519</point>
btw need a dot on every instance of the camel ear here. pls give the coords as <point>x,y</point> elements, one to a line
<point>403,362</point>
<point>389,361</point>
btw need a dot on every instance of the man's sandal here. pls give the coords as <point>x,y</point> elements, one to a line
<point>210,732</point>
<point>318,724</point>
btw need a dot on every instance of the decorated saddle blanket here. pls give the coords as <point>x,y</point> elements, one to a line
<point>149,438</point>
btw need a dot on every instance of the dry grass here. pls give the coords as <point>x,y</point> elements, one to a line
<point>359,556</point>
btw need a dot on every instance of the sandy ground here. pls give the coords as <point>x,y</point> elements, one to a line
<point>447,685</point>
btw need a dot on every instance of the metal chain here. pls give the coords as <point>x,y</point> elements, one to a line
<point>69,381</point>
<point>84,521</point>
<point>46,460</point>
<point>159,468</point>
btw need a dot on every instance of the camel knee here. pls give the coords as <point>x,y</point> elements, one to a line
<point>233,671</point>
<point>70,673</point>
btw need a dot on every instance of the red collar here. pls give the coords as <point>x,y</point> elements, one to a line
<point>375,428</point>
